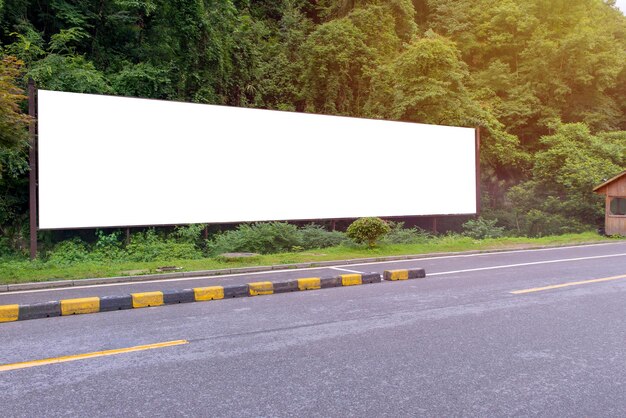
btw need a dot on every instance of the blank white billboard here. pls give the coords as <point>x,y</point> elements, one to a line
<point>113,161</point>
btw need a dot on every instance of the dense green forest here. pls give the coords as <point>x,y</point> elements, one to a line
<point>544,79</point>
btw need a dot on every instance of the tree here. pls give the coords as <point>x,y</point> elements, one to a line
<point>425,83</point>
<point>13,152</point>
<point>336,68</point>
<point>13,121</point>
<point>571,163</point>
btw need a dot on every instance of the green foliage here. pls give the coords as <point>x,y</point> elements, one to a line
<point>6,249</point>
<point>13,168</point>
<point>20,270</point>
<point>65,40</point>
<point>377,25</point>
<point>13,156</point>
<point>69,252</point>
<point>315,236</point>
<point>27,45</point>
<point>148,246</point>
<point>262,237</point>
<point>191,234</point>
<point>143,80</point>
<point>425,83</point>
<point>12,121</point>
<point>107,247</point>
<point>280,85</point>
<point>545,80</point>
<point>68,73</point>
<point>367,230</point>
<point>143,246</point>
<point>537,223</point>
<point>336,60</point>
<point>272,238</point>
<point>398,234</point>
<point>482,228</point>
<point>558,199</point>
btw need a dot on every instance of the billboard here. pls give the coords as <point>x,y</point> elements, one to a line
<point>108,161</point>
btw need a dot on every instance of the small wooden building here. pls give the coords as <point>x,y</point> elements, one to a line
<point>615,192</point>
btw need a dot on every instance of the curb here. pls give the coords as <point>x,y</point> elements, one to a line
<point>220,272</point>
<point>88,305</point>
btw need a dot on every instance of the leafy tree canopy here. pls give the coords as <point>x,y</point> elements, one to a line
<point>545,80</point>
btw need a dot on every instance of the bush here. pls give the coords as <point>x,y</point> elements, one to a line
<point>148,246</point>
<point>537,223</point>
<point>69,252</point>
<point>262,237</point>
<point>398,234</point>
<point>482,228</point>
<point>367,230</point>
<point>315,236</point>
<point>107,247</point>
<point>191,234</point>
<point>5,247</point>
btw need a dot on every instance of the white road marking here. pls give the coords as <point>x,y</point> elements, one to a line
<point>342,269</point>
<point>226,276</point>
<point>526,264</point>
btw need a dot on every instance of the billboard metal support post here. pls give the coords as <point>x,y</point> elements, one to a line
<point>32,175</point>
<point>478,171</point>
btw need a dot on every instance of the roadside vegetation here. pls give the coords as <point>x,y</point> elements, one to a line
<point>544,80</point>
<point>273,243</point>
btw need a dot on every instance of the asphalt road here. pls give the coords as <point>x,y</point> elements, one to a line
<point>457,343</point>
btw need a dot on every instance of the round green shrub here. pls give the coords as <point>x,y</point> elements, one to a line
<point>367,230</point>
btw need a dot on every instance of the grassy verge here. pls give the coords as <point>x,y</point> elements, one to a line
<point>21,271</point>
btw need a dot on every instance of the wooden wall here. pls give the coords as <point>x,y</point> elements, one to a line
<point>615,225</point>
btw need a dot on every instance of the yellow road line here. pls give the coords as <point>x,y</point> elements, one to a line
<point>64,359</point>
<point>558,286</point>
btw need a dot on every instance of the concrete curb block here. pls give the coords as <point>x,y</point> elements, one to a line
<point>87,305</point>
<point>284,287</point>
<point>243,270</point>
<point>327,282</point>
<point>178,296</point>
<point>39,310</point>
<point>115,303</point>
<point>370,278</point>
<point>404,274</point>
<point>235,291</point>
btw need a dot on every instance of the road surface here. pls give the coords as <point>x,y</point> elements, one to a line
<point>464,341</point>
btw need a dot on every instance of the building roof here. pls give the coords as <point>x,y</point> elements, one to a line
<point>619,176</point>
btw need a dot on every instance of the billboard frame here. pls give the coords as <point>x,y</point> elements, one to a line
<point>33,182</point>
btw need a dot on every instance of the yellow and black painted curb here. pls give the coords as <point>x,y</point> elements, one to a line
<point>88,305</point>
<point>404,274</point>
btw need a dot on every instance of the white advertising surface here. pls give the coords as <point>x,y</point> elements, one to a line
<point>113,161</point>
